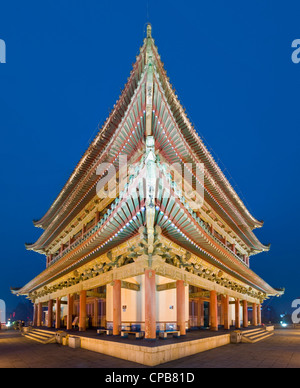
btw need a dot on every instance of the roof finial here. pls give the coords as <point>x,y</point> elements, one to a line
<point>149,30</point>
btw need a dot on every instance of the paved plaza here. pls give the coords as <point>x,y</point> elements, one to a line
<point>282,350</point>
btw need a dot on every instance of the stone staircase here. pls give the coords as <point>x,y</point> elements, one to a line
<point>257,334</point>
<point>41,335</point>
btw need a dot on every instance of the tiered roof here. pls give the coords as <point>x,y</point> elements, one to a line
<point>176,141</point>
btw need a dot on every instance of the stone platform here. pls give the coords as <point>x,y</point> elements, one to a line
<point>154,353</point>
<point>150,352</point>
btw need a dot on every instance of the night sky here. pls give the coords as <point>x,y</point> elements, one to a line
<point>230,63</point>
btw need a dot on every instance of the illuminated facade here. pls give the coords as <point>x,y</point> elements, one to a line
<point>144,255</point>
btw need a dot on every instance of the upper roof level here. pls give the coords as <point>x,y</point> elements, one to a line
<point>124,133</point>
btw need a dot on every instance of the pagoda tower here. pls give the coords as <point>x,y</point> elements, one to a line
<point>147,231</point>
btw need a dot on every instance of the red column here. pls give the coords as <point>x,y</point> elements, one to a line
<point>49,259</point>
<point>96,312</point>
<point>237,314</point>
<point>35,314</point>
<point>150,304</point>
<point>116,307</point>
<point>70,312</point>
<point>213,310</point>
<point>233,248</point>
<point>259,314</point>
<point>221,311</point>
<point>225,299</point>
<point>200,312</point>
<point>180,296</point>
<point>103,313</point>
<point>39,314</point>
<point>50,312</point>
<point>57,320</point>
<point>245,313</point>
<point>254,314</point>
<point>82,310</point>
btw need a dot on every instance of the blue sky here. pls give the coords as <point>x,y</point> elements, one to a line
<point>230,63</point>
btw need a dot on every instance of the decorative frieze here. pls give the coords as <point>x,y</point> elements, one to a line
<point>183,268</point>
<point>130,286</point>
<point>166,286</point>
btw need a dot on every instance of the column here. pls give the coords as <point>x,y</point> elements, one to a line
<point>254,314</point>
<point>96,312</point>
<point>180,296</point>
<point>225,300</point>
<point>221,310</point>
<point>50,313</point>
<point>150,304</point>
<point>35,314</point>
<point>103,313</point>
<point>57,320</point>
<point>70,312</point>
<point>200,312</point>
<point>245,313</point>
<point>259,314</point>
<point>40,314</point>
<point>237,314</point>
<point>233,248</point>
<point>213,311</point>
<point>117,307</point>
<point>82,310</point>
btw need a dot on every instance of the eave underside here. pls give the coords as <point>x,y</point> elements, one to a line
<point>210,278</point>
<point>169,235</point>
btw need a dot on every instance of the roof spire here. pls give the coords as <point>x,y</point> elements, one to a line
<point>149,30</point>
